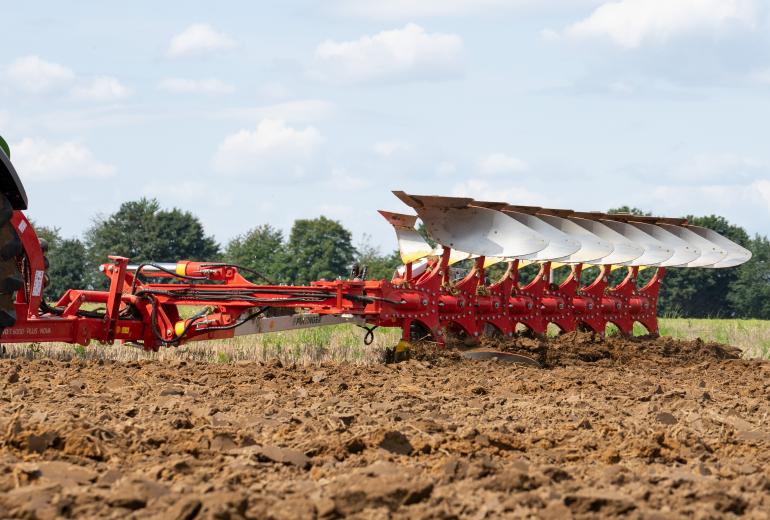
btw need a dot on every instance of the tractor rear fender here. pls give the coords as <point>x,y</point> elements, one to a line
<point>10,185</point>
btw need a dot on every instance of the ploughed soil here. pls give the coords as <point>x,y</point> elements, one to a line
<point>646,428</point>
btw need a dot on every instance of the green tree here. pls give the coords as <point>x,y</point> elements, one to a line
<point>67,262</point>
<point>630,210</point>
<point>179,235</point>
<point>261,249</point>
<point>48,236</point>
<point>379,266</point>
<point>423,231</point>
<point>143,232</point>
<point>67,268</point>
<point>319,248</point>
<point>749,294</point>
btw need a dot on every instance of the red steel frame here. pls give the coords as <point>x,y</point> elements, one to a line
<point>428,303</point>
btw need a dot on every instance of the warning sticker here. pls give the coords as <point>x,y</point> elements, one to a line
<point>37,286</point>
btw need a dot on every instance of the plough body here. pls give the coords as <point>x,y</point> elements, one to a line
<point>422,298</point>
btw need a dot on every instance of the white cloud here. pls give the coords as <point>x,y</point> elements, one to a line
<point>197,86</point>
<point>633,23</point>
<point>743,204</point>
<point>188,191</point>
<point>274,90</point>
<point>342,179</point>
<point>199,39</point>
<point>763,189</point>
<point>500,163</point>
<point>718,169</point>
<point>4,119</point>
<point>482,189</point>
<point>550,35</point>
<point>39,160</point>
<point>390,148</point>
<point>34,75</point>
<point>102,88</point>
<point>298,111</point>
<point>446,168</point>
<point>622,88</point>
<point>730,185</point>
<point>761,76</point>
<point>336,210</point>
<point>408,9</point>
<point>273,144</point>
<point>406,54</point>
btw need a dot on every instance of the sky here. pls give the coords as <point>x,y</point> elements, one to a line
<point>247,113</point>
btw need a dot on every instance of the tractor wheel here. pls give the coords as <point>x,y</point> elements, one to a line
<point>10,278</point>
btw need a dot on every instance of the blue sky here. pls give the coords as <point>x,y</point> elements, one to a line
<point>249,112</point>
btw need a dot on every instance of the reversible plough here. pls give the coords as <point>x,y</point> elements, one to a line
<point>424,298</point>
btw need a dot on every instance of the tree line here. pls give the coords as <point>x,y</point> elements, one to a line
<point>322,248</point>
<point>141,230</point>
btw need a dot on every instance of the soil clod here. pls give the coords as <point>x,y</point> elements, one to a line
<point>616,427</point>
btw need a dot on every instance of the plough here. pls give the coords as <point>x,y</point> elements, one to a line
<point>423,298</point>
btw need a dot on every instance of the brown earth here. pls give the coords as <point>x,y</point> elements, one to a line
<point>633,428</point>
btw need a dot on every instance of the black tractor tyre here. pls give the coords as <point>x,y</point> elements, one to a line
<point>10,277</point>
